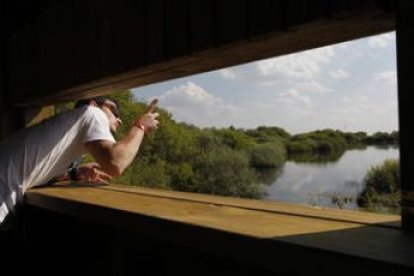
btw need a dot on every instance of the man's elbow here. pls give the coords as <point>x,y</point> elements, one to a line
<point>114,170</point>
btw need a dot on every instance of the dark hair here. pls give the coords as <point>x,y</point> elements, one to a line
<point>100,100</point>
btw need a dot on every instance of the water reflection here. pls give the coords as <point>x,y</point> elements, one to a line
<point>320,158</point>
<point>386,147</point>
<point>268,176</point>
<point>344,199</point>
<point>333,181</point>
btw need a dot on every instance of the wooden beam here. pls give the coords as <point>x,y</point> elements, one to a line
<point>36,115</point>
<point>301,210</point>
<point>106,61</point>
<point>405,67</point>
<point>254,236</point>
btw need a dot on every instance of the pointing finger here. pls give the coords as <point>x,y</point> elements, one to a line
<point>152,106</point>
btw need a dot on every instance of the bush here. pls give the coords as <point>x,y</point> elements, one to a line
<point>385,178</point>
<point>382,187</point>
<point>263,134</point>
<point>320,141</point>
<point>305,145</point>
<point>268,155</point>
<point>223,171</point>
<point>141,173</point>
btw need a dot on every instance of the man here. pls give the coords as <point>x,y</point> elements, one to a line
<point>37,154</point>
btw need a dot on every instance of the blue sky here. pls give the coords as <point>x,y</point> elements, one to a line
<point>350,86</point>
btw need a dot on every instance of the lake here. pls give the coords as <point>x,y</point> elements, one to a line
<point>328,183</point>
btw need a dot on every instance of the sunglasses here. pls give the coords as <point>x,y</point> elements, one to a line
<point>114,108</point>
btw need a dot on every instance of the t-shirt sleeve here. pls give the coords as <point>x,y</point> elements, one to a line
<point>97,126</point>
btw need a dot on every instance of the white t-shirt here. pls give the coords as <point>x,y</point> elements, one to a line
<point>34,155</point>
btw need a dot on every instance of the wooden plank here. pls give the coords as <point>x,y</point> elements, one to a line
<point>36,115</point>
<point>294,12</point>
<point>103,21</point>
<point>20,64</point>
<point>271,206</point>
<point>128,35</point>
<point>127,210</point>
<point>176,35</point>
<point>346,5</point>
<point>254,223</point>
<point>270,45</point>
<point>103,61</point>
<point>245,222</point>
<point>53,51</point>
<point>265,16</point>
<point>84,40</point>
<point>202,28</point>
<point>231,21</point>
<point>317,9</point>
<point>156,30</point>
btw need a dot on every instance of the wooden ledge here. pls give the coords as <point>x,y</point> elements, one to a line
<point>222,225</point>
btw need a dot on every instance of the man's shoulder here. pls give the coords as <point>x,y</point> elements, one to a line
<point>83,116</point>
<point>94,115</point>
<point>92,111</point>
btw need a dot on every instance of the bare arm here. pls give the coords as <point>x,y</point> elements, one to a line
<point>114,158</point>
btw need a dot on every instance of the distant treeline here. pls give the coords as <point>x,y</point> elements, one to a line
<point>224,161</point>
<point>328,140</point>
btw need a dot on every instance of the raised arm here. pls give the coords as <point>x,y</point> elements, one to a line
<point>114,158</point>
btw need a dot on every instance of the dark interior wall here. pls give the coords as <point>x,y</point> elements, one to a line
<point>10,120</point>
<point>405,61</point>
<point>83,248</point>
<point>52,51</point>
<point>67,49</point>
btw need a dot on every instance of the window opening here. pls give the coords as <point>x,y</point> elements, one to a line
<point>319,127</point>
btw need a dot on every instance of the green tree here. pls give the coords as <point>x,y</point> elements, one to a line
<point>268,155</point>
<point>223,171</point>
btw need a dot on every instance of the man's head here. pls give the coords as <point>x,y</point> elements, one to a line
<point>109,107</point>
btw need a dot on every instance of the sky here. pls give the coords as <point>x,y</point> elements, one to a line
<point>350,86</point>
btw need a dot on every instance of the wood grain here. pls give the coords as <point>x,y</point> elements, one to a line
<point>360,235</point>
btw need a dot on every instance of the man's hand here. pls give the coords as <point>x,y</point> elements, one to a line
<point>149,120</point>
<point>92,172</point>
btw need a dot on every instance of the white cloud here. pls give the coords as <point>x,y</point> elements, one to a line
<point>388,78</point>
<point>305,65</point>
<point>293,67</point>
<point>339,74</point>
<point>312,87</point>
<point>292,98</point>
<point>360,112</point>
<point>300,98</point>
<point>189,93</point>
<point>381,41</point>
<point>353,107</point>
<point>192,103</point>
<point>294,94</point>
<point>228,73</point>
<point>293,101</point>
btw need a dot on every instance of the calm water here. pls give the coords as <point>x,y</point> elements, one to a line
<point>321,183</point>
